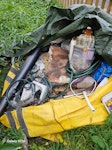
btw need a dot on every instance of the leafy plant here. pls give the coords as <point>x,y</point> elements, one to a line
<point>19,18</point>
<point>11,146</point>
<point>11,134</point>
<point>99,141</point>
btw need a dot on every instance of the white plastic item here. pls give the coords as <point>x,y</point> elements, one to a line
<point>88,102</point>
<point>72,44</point>
<point>103,82</point>
<point>28,94</point>
<point>43,89</point>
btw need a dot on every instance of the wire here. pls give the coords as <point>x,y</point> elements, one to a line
<point>66,88</point>
<point>16,94</point>
<point>44,80</point>
<point>17,62</point>
<point>77,95</point>
<point>88,71</point>
<point>33,71</point>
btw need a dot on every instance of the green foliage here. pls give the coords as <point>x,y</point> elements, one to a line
<point>19,18</point>
<point>4,67</point>
<point>8,146</point>
<point>99,141</point>
<point>11,134</point>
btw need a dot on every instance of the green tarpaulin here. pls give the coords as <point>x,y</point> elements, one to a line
<point>66,23</point>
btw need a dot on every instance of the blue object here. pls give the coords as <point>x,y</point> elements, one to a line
<point>104,70</point>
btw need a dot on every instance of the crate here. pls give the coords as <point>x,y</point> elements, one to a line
<point>104,4</point>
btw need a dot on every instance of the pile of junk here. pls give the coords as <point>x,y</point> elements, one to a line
<point>62,78</point>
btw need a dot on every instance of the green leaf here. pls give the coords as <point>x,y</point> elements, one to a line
<point>34,146</point>
<point>9,146</point>
<point>99,141</point>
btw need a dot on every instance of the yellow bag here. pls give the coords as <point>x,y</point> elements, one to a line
<point>50,119</point>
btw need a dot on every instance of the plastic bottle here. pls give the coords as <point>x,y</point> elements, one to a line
<point>82,51</point>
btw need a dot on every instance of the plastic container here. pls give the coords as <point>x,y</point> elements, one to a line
<point>82,51</point>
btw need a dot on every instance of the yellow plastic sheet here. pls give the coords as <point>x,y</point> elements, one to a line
<point>55,116</point>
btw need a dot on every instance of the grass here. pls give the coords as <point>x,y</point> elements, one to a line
<point>10,138</point>
<point>17,19</point>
